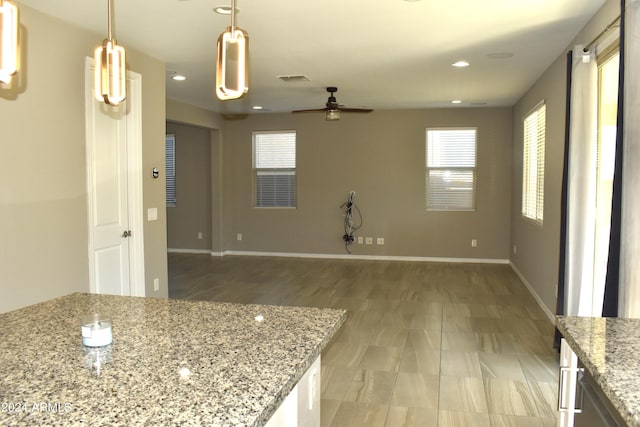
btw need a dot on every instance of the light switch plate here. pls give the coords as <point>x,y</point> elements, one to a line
<point>152,214</point>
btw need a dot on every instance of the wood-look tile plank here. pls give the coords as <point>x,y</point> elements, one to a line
<point>460,364</point>
<point>328,409</point>
<point>459,341</point>
<point>381,358</point>
<point>344,354</point>
<point>424,362</point>
<point>334,381</point>
<point>464,394</point>
<point>416,390</point>
<point>514,421</point>
<point>508,397</point>
<point>545,396</point>
<point>491,342</point>
<point>355,414</point>
<point>503,366</point>
<point>411,417</point>
<point>540,368</point>
<point>459,419</point>
<point>423,340</point>
<point>369,386</point>
<point>384,336</point>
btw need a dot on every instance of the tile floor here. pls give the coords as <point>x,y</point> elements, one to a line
<point>425,344</point>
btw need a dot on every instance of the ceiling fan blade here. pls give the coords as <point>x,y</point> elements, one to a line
<point>332,105</point>
<point>315,110</point>
<point>355,110</point>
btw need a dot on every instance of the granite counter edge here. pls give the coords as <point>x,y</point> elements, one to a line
<point>612,395</point>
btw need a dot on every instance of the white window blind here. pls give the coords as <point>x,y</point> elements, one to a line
<point>170,167</point>
<point>274,164</point>
<point>451,169</point>
<point>533,164</point>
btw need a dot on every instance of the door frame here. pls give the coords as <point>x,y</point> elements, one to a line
<point>134,178</point>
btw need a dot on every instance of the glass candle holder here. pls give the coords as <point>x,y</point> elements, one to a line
<point>96,330</point>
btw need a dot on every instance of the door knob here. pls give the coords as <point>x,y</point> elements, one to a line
<point>127,233</point>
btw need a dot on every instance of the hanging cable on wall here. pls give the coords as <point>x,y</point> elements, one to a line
<point>350,226</point>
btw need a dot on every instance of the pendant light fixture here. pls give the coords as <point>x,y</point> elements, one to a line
<point>232,55</point>
<point>110,74</point>
<point>8,40</point>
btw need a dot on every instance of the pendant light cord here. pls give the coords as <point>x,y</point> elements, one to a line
<point>110,32</point>
<point>233,16</point>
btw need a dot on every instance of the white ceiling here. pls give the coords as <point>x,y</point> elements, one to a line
<point>381,54</point>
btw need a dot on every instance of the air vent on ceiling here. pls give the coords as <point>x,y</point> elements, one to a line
<point>294,78</point>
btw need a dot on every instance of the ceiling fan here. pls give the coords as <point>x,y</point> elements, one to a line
<point>332,109</point>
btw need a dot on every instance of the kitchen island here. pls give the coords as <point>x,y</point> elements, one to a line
<point>171,362</point>
<point>609,350</point>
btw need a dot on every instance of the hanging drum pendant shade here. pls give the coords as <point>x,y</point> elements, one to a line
<point>8,40</point>
<point>110,73</point>
<point>232,54</point>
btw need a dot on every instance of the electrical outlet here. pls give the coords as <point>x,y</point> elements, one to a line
<point>515,249</point>
<point>474,243</point>
<point>380,241</point>
<point>368,240</point>
<point>359,240</point>
<point>156,284</point>
<point>199,235</point>
<point>239,236</point>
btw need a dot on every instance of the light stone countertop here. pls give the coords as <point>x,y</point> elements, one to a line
<point>238,369</point>
<point>609,349</point>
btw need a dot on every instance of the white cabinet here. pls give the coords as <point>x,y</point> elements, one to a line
<point>568,381</point>
<point>301,408</point>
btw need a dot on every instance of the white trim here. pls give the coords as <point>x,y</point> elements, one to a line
<point>135,185</point>
<point>533,293</point>
<point>367,257</point>
<point>188,251</point>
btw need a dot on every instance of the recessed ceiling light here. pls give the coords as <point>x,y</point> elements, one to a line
<point>257,107</point>
<point>179,77</point>
<point>460,64</point>
<point>456,101</point>
<point>224,10</point>
<point>500,55</point>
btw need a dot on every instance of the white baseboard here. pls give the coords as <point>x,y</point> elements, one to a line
<point>533,293</point>
<point>368,257</point>
<point>188,251</point>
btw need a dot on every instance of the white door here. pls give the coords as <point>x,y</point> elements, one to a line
<point>114,195</point>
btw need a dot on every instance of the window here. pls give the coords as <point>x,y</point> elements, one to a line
<point>170,167</point>
<point>533,164</point>
<point>274,166</point>
<point>451,169</point>
<point>608,67</point>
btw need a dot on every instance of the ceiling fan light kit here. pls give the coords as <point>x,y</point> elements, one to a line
<point>333,110</point>
<point>232,55</point>
<point>110,73</point>
<point>8,40</point>
<point>331,115</point>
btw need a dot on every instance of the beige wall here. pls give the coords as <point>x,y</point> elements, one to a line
<point>538,254</point>
<point>381,157</point>
<point>181,113</point>
<point>192,213</point>
<point>43,198</point>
